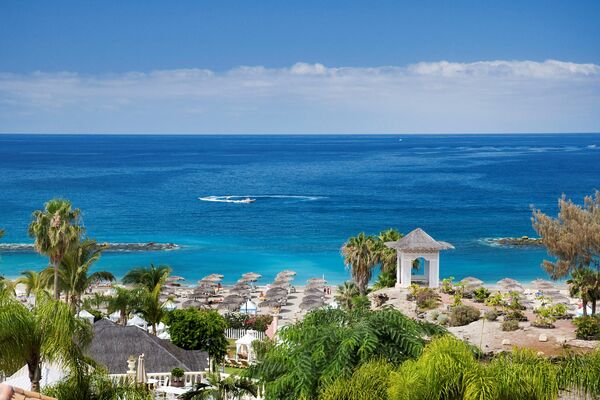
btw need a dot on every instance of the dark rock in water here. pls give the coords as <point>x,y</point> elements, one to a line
<point>151,246</point>
<point>517,241</point>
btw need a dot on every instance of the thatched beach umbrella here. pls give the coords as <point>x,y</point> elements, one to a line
<point>234,298</point>
<point>288,272</point>
<point>276,290</point>
<point>284,279</point>
<point>281,285</point>
<point>192,304</point>
<point>507,282</point>
<point>271,303</point>
<point>311,297</point>
<point>311,304</point>
<point>471,282</point>
<point>243,286</point>
<point>229,306</point>
<point>317,280</point>
<point>313,290</point>
<point>314,286</point>
<point>542,284</point>
<point>253,276</point>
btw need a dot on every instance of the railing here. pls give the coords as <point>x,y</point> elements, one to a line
<point>238,333</point>
<point>162,378</point>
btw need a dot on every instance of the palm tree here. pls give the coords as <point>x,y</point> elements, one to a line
<point>125,301</point>
<point>34,281</point>
<point>345,293</point>
<point>54,230</point>
<point>151,308</point>
<point>360,257</point>
<point>48,332</point>
<point>149,277</point>
<point>585,283</point>
<point>74,267</point>
<point>231,387</point>
<point>386,256</point>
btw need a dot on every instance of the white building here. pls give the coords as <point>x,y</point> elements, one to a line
<point>418,244</point>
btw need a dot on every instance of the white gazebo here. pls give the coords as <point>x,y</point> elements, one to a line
<point>243,346</point>
<point>418,244</point>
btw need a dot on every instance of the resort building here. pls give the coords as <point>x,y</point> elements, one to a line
<point>114,346</point>
<point>418,245</point>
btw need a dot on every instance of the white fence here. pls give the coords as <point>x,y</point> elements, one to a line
<point>238,333</point>
<point>161,378</point>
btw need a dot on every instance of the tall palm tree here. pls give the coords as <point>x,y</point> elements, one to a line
<point>345,293</point>
<point>55,229</point>
<point>386,256</point>
<point>48,332</point>
<point>74,277</point>
<point>585,283</point>
<point>125,301</point>
<point>151,308</point>
<point>149,277</point>
<point>360,257</point>
<point>34,281</point>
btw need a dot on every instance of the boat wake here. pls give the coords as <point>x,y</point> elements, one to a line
<point>251,199</point>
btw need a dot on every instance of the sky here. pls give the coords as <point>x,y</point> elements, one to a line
<point>299,66</point>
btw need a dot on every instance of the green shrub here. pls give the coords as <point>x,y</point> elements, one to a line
<point>434,315</point>
<point>177,373</point>
<point>480,294</point>
<point>491,315</point>
<point>515,315</point>
<point>447,285</point>
<point>588,328</point>
<point>463,315</point>
<point>510,325</point>
<point>457,299</point>
<point>495,300</point>
<point>427,298</point>
<point>235,320</point>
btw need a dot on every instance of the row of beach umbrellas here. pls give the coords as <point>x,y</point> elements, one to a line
<point>314,294</point>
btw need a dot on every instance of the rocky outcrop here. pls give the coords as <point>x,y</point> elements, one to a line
<point>150,246</point>
<point>523,241</point>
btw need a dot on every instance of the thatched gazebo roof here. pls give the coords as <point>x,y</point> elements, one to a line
<point>418,240</point>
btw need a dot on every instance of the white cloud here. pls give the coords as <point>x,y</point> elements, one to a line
<point>486,96</point>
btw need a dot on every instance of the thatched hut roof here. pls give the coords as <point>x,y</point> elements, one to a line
<point>113,344</point>
<point>418,240</point>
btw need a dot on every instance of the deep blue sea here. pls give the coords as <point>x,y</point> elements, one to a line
<point>312,193</point>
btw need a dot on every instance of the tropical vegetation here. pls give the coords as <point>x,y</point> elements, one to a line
<point>55,229</point>
<point>48,332</point>
<point>331,343</point>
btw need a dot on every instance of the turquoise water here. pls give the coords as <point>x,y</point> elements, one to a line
<point>312,193</point>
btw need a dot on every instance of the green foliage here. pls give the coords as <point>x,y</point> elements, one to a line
<point>95,385</point>
<point>588,327</point>
<point>361,303</point>
<point>585,284</point>
<point>427,298</point>
<point>177,373</point>
<point>245,321</point>
<point>457,299</point>
<point>463,315</point>
<point>361,254</point>
<point>546,315</point>
<point>513,309</point>
<point>480,294</point>
<point>510,325</point>
<point>194,329</point>
<point>490,315</point>
<point>345,293</point>
<point>442,319</point>
<point>385,279</point>
<point>47,332</point>
<point>447,285</point>
<point>231,387</point>
<point>368,382</point>
<point>148,277</point>
<point>448,369</point>
<point>235,320</point>
<point>332,343</point>
<point>54,230</point>
<point>495,300</point>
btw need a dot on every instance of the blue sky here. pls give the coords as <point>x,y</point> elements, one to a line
<point>305,66</point>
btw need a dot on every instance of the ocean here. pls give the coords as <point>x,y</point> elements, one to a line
<point>312,192</point>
